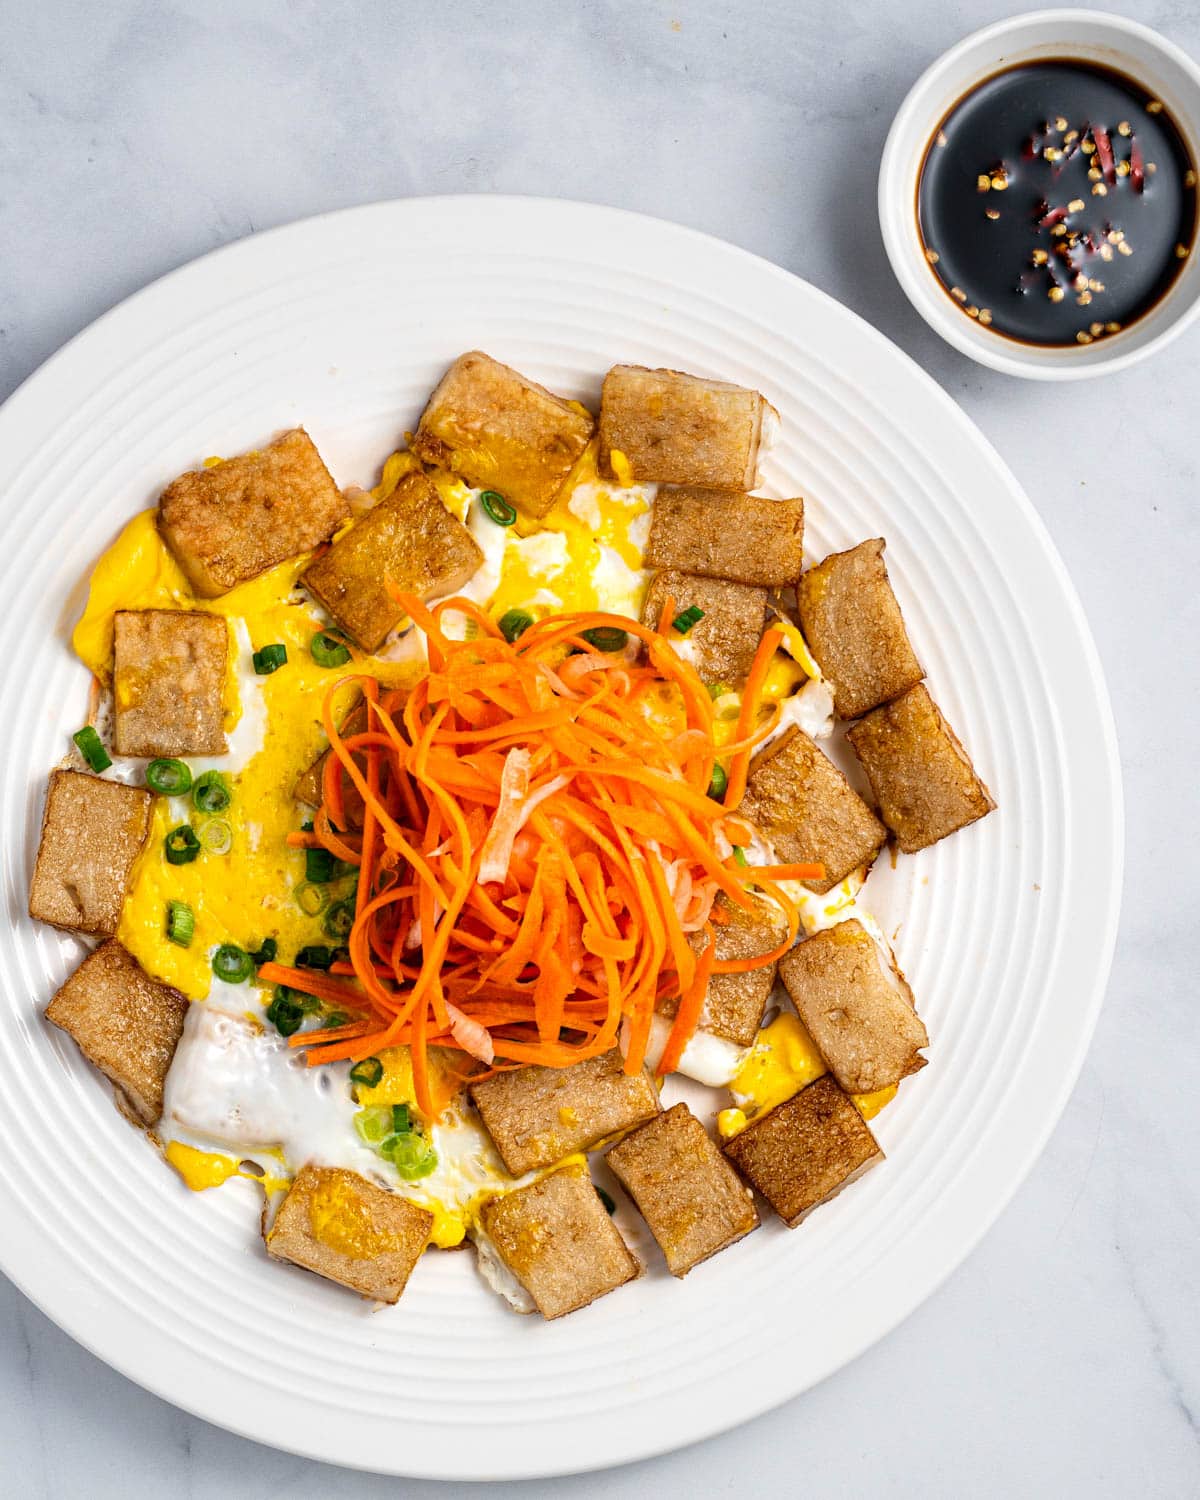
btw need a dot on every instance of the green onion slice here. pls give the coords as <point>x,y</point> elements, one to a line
<point>216,835</point>
<point>170,778</point>
<point>181,845</point>
<point>684,621</point>
<point>181,923</point>
<point>269,659</point>
<point>401,1119</point>
<point>411,1155</point>
<point>315,956</point>
<point>266,952</point>
<point>88,743</point>
<point>497,508</point>
<point>739,856</point>
<point>339,919</point>
<point>368,1072</point>
<point>318,866</point>
<point>311,899</point>
<point>606,638</point>
<point>232,964</point>
<point>514,623</point>
<point>373,1124</point>
<point>211,792</point>
<point>284,1014</point>
<point>716,787</point>
<point>718,690</point>
<point>328,651</point>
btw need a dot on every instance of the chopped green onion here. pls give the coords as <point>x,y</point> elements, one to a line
<point>411,1155</point>
<point>716,787</point>
<point>284,1014</point>
<point>718,690</point>
<point>373,1124</point>
<point>314,957</point>
<point>216,835</point>
<point>739,856</point>
<point>311,899</point>
<point>606,638</point>
<point>211,792</point>
<point>181,923</point>
<point>266,952</point>
<point>318,866</point>
<point>87,742</point>
<point>401,1119</point>
<point>232,964</point>
<point>171,778</point>
<point>497,508</point>
<point>181,845</point>
<point>684,621</point>
<point>514,623</point>
<point>339,919</point>
<point>328,651</point>
<point>269,660</point>
<point>368,1072</point>
<point>335,1018</point>
<point>610,1203</point>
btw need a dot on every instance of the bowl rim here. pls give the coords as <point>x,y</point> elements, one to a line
<point>897,169</point>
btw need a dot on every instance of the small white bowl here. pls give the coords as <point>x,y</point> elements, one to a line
<point>1089,36</point>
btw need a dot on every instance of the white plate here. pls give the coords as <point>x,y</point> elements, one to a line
<point>1006,930</point>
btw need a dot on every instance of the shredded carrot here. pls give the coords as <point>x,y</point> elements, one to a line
<point>536,846</point>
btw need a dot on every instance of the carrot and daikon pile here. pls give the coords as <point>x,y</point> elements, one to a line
<point>537,848</point>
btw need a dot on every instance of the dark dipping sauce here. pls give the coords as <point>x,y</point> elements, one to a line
<point>1057,202</point>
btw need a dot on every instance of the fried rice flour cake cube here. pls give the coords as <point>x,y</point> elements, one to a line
<point>351,1231</point>
<point>408,542</point>
<point>232,521</point>
<point>857,1008</point>
<point>719,534</point>
<point>800,800</point>
<point>667,427</point>
<point>734,1003</point>
<point>720,646</point>
<point>921,776</point>
<point>557,1239</point>
<point>169,668</point>
<point>684,1188</point>
<point>124,1022</point>
<point>806,1150</point>
<point>498,430</point>
<point>855,630</point>
<point>538,1115</point>
<point>92,832</point>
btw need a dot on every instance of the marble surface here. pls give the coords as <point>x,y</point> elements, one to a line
<point>1064,1357</point>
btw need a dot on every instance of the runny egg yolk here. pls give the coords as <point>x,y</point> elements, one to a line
<point>783,1060</point>
<point>201,1169</point>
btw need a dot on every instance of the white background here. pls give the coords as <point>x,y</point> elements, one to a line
<point>1064,1358</point>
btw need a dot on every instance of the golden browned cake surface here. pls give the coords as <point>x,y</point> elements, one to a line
<point>855,630</point>
<point>538,1115</point>
<point>409,541</point>
<point>805,1150</point>
<point>351,1231</point>
<point>233,521</point>
<point>125,1023</point>
<point>497,430</point>
<point>721,646</point>
<point>858,1010</point>
<point>673,428</point>
<point>809,811</point>
<point>922,778</point>
<point>169,669</point>
<point>558,1241</point>
<point>684,1188</point>
<point>734,1003</point>
<point>741,537</point>
<point>92,831</point>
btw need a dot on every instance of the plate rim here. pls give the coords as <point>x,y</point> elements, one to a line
<point>43,378</point>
